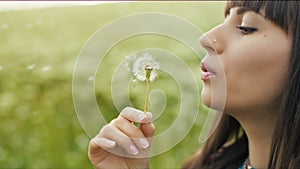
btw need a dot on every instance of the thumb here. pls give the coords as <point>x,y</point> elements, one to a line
<point>148,129</point>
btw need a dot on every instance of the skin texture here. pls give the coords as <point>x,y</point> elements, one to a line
<point>255,64</point>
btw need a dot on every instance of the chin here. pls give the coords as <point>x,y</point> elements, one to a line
<point>216,104</point>
<point>206,97</point>
<point>206,100</point>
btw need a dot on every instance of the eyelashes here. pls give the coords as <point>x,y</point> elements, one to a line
<point>246,30</point>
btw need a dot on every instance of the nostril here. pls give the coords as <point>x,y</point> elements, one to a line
<point>210,48</point>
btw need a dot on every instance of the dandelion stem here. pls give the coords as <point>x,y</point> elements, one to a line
<point>148,73</point>
<point>147,97</point>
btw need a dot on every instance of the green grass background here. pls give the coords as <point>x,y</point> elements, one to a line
<point>38,124</point>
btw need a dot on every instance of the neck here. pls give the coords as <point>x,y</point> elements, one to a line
<point>259,128</point>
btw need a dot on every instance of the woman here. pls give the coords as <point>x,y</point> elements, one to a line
<point>258,46</point>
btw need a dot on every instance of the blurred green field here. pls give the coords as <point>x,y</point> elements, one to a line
<point>38,51</point>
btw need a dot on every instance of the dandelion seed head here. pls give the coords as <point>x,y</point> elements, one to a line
<point>137,64</point>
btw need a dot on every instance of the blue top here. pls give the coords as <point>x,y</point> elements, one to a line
<point>246,165</point>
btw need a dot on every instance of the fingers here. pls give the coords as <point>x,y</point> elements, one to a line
<point>122,134</point>
<point>97,148</point>
<point>131,131</point>
<point>112,133</point>
<point>96,144</point>
<point>148,129</point>
<point>135,115</point>
<point>103,142</point>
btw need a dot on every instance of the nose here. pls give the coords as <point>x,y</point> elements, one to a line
<point>212,40</point>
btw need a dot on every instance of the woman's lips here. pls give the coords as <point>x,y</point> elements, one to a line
<point>207,72</point>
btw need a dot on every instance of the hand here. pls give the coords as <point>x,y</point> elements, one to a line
<point>122,145</point>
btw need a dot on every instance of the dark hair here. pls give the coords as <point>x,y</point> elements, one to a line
<point>285,148</point>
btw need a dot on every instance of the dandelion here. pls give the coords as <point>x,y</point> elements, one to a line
<point>144,69</point>
<point>137,63</point>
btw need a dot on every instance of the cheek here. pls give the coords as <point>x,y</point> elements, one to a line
<point>256,77</point>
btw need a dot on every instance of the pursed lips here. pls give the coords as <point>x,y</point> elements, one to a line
<point>207,72</point>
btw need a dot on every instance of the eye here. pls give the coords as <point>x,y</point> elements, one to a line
<point>246,30</point>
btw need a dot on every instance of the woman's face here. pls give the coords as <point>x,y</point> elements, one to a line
<point>254,55</point>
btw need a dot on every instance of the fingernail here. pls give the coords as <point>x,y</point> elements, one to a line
<point>133,150</point>
<point>142,116</point>
<point>97,140</point>
<point>144,143</point>
<point>106,143</point>
<point>110,143</point>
